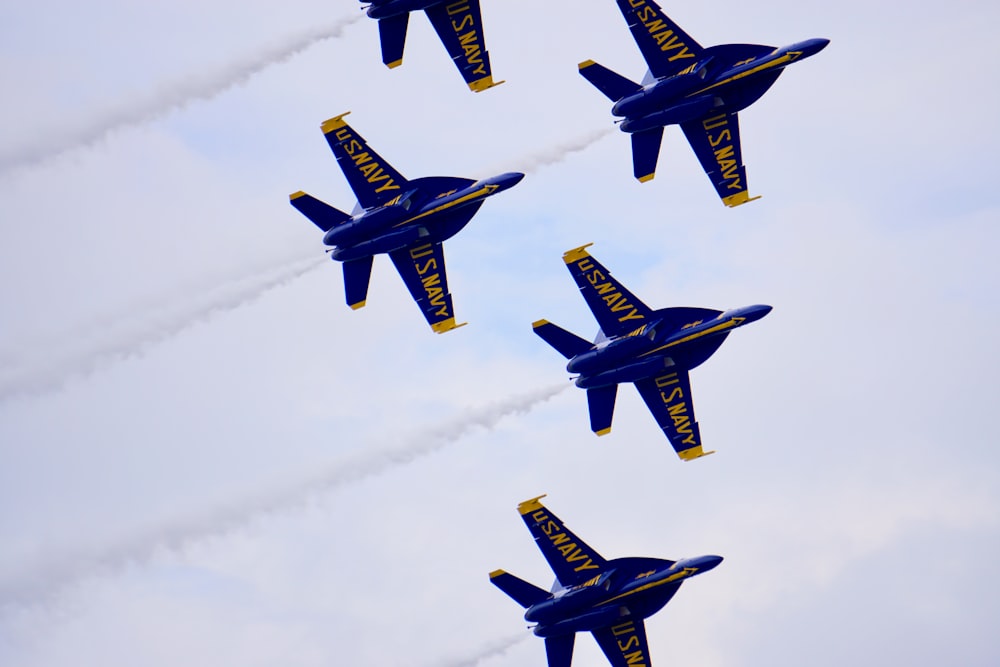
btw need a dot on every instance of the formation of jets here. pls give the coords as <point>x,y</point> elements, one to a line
<point>702,90</point>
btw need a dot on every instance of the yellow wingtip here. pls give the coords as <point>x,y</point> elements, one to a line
<point>647,178</point>
<point>530,505</point>
<point>359,304</point>
<point>446,325</point>
<point>539,323</point>
<point>487,82</point>
<point>496,573</point>
<point>739,199</point>
<point>296,195</point>
<point>603,431</point>
<point>394,64</point>
<point>585,64</point>
<point>334,123</point>
<point>693,453</point>
<point>576,254</point>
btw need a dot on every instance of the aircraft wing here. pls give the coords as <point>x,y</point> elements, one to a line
<point>617,310</point>
<point>625,643</point>
<point>372,179</point>
<point>460,27</point>
<point>421,267</point>
<point>668,50</point>
<point>668,397</point>
<point>716,141</point>
<point>570,558</point>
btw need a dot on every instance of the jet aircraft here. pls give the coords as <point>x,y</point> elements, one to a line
<point>608,598</point>
<point>409,220</point>
<point>459,24</point>
<point>655,349</point>
<point>700,89</point>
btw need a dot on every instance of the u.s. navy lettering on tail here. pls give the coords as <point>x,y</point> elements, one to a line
<point>677,406</point>
<point>463,23</point>
<point>608,292</point>
<point>724,156</point>
<point>571,551</point>
<point>365,163</point>
<point>430,277</point>
<point>659,30</point>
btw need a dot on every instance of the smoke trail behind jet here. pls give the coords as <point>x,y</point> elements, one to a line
<point>166,98</point>
<point>46,580</point>
<point>559,152</point>
<point>49,367</point>
<point>491,650</point>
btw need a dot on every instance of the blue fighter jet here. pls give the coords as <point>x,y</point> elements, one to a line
<point>409,220</point>
<point>700,89</point>
<point>609,598</point>
<point>655,349</point>
<point>458,23</point>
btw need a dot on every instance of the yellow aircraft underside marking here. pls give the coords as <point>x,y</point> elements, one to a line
<point>693,453</point>
<point>334,123</point>
<point>721,327</point>
<point>484,191</point>
<point>686,572</point>
<point>760,68</point>
<point>529,506</point>
<point>394,63</point>
<point>485,83</point>
<point>576,254</point>
<point>296,195</point>
<point>446,325</point>
<point>496,573</point>
<point>359,304</point>
<point>603,431</point>
<point>738,199</point>
<point>646,178</point>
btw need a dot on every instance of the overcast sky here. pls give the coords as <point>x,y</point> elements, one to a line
<point>206,458</point>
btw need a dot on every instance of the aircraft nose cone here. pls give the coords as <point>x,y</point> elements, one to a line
<point>813,46</point>
<point>510,179</point>
<point>710,563</point>
<point>754,313</point>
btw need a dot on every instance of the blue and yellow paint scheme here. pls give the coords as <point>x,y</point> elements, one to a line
<point>700,89</point>
<point>408,220</point>
<point>654,349</point>
<point>609,598</point>
<point>459,24</point>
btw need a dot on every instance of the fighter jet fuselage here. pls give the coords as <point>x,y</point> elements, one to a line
<point>727,79</point>
<point>652,347</point>
<point>427,212</point>
<point>380,9</point>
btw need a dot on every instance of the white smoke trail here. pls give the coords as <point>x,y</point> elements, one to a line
<point>492,650</point>
<point>49,366</point>
<point>46,580</point>
<point>560,151</point>
<point>166,98</point>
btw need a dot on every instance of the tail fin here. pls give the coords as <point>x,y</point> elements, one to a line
<point>559,650</point>
<point>613,85</point>
<point>372,179</point>
<point>601,401</point>
<point>568,344</point>
<point>322,214</point>
<point>521,591</point>
<point>392,36</point>
<point>357,274</point>
<point>645,152</point>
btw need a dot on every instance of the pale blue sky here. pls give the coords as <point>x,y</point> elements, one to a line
<point>854,494</point>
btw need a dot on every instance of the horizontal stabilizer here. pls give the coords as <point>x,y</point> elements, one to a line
<point>521,591</point>
<point>568,344</point>
<point>322,214</point>
<point>613,85</point>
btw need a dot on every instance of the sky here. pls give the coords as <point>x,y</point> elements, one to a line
<point>207,458</point>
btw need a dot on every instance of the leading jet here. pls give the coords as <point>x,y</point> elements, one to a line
<point>408,220</point>
<point>459,24</point>
<point>655,349</point>
<point>700,89</point>
<point>609,598</point>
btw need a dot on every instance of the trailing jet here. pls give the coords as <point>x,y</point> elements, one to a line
<point>700,89</point>
<point>608,598</point>
<point>458,23</point>
<point>654,349</point>
<point>409,220</point>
